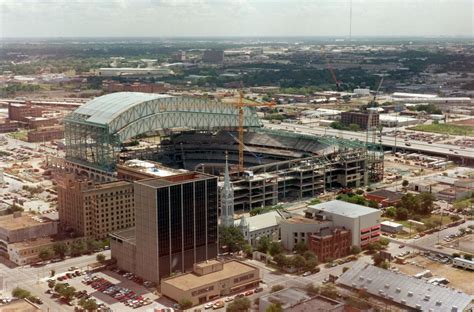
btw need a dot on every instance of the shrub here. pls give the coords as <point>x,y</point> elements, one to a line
<point>185,303</point>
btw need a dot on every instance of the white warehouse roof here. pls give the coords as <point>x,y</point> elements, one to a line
<point>343,208</point>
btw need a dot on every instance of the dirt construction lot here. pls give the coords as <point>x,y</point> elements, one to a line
<point>459,278</point>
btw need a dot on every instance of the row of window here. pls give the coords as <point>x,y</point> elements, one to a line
<point>243,278</point>
<point>202,291</point>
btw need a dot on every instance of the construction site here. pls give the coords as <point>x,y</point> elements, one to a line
<point>267,166</point>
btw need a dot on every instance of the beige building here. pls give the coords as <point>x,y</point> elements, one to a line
<point>94,209</point>
<point>19,227</point>
<point>210,280</point>
<point>27,252</point>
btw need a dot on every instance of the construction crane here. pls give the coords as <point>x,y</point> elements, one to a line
<point>334,77</point>
<point>240,106</point>
<point>371,130</point>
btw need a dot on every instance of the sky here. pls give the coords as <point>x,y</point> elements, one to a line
<point>222,18</point>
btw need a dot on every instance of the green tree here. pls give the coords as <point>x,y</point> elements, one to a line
<point>263,244</point>
<point>310,264</point>
<point>100,257</point>
<point>20,293</point>
<point>248,250</point>
<point>232,238</point>
<point>88,304</point>
<point>77,248</point>
<point>51,284</point>
<point>276,288</point>
<point>405,183</point>
<point>355,250</point>
<point>274,307</point>
<point>309,254</point>
<point>298,262</point>
<point>45,254</point>
<point>239,305</point>
<point>281,260</point>
<point>377,258</point>
<point>59,288</point>
<point>401,213</point>
<point>300,247</point>
<point>93,245</point>
<point>68,292</point>
<point>312,289</point>
<point>468,257</point>
<point>52,272</point>
<point>391,212</point>
<point>60,249</point>
<point>426,201</point>
<point>185,304</point>
<point>329,290</point>
<point>275,248</point>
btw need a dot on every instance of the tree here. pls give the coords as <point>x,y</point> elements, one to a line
<point>88,304</point>
<point>377,258</point>
<point>355,250</point>
<point>263,244</point>
<point>298,262</point>
<point>456,255</point>
<point>59,288</point>
<point>329,290</point>
<point>45,254</point>
<point>310,264</point>
<point>232,238</point>
<point>93,245</point>
<point>60,249</point>
<point>274,307</point>
<point>20,293</point>
<point>384,242</point>
<point>405,183</point>
<point>77,248</point>
<point>426,201</point>
<point>275,248</point>
<point>390,212</point>
<point>52,273</point>
<point>68,292</point>
<point>455,218</point>
<point>276,288</point>
<point>100,257</point>
<point>281,260</point>
<point>401,214</point>
<point>468,257</point>
<point>185,303</point>
<point>300,247</point>
<point>309,254</point>
<point>247,249</point>
<point>311,289</point>
<point>239,305</point>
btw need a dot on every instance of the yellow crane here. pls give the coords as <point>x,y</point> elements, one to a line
<point>240,106</point>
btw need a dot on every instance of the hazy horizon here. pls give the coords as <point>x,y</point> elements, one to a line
<point>235,18</point>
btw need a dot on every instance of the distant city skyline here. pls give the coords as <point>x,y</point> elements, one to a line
<point>221,18</point>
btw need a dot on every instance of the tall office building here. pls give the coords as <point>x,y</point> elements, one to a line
<point>176,226</point>
<point>92,209</point>
<point>213,56</point>
<point>227,199</point>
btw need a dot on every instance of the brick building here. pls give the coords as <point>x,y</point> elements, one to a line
<point>45,134</point>
<point>38,122</point>
<point>112,86</point>
<point>19,112</point>
<point>359,118</point>
<point>93,209</point>
<point>330,244</point>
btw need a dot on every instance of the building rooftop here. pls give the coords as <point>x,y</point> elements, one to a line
<point>297,219</point>
<point>127,235</point>
<point>405,290</point>
<point>104,109</point>
<point>175,179</point>
<point>343,208</point>
<point>20,306</point>
<point>151,168</point>
<point>262,221</point>
<point>390,195</point>
<point>10,223</point>
<point>390,223</point>
<point>191,280</point>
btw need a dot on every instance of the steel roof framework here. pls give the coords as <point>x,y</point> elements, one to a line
<point>98,144</point>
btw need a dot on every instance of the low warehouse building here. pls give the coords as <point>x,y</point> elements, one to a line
<point>211,279</point>
<point>391,227</point>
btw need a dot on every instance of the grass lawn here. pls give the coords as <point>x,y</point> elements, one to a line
<point>19,135</point>
<point>433,218</point>
<point>446,129</point>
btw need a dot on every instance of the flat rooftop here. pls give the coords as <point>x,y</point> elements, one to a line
<point>296,219</point>
<point>175,179</point>
<point>8,222</point>
<point>151,168</point>
<point>126,235</point>
<point>191,280</point>
<point>342,208</point>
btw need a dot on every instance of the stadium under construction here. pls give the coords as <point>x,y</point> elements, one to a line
<point>195,134</point>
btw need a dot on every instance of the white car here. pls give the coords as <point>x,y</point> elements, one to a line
<point>208,306</point>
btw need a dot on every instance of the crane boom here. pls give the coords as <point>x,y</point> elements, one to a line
<point>240,107</point>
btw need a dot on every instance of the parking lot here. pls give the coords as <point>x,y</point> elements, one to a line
<point>119,291</point>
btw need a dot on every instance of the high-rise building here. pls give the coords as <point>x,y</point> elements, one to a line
<point>227,198</point>
<point>94,210</point>
<point>176,226</point>
<point>213,56</point>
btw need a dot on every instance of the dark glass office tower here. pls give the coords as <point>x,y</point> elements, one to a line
<point>176,223</point>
